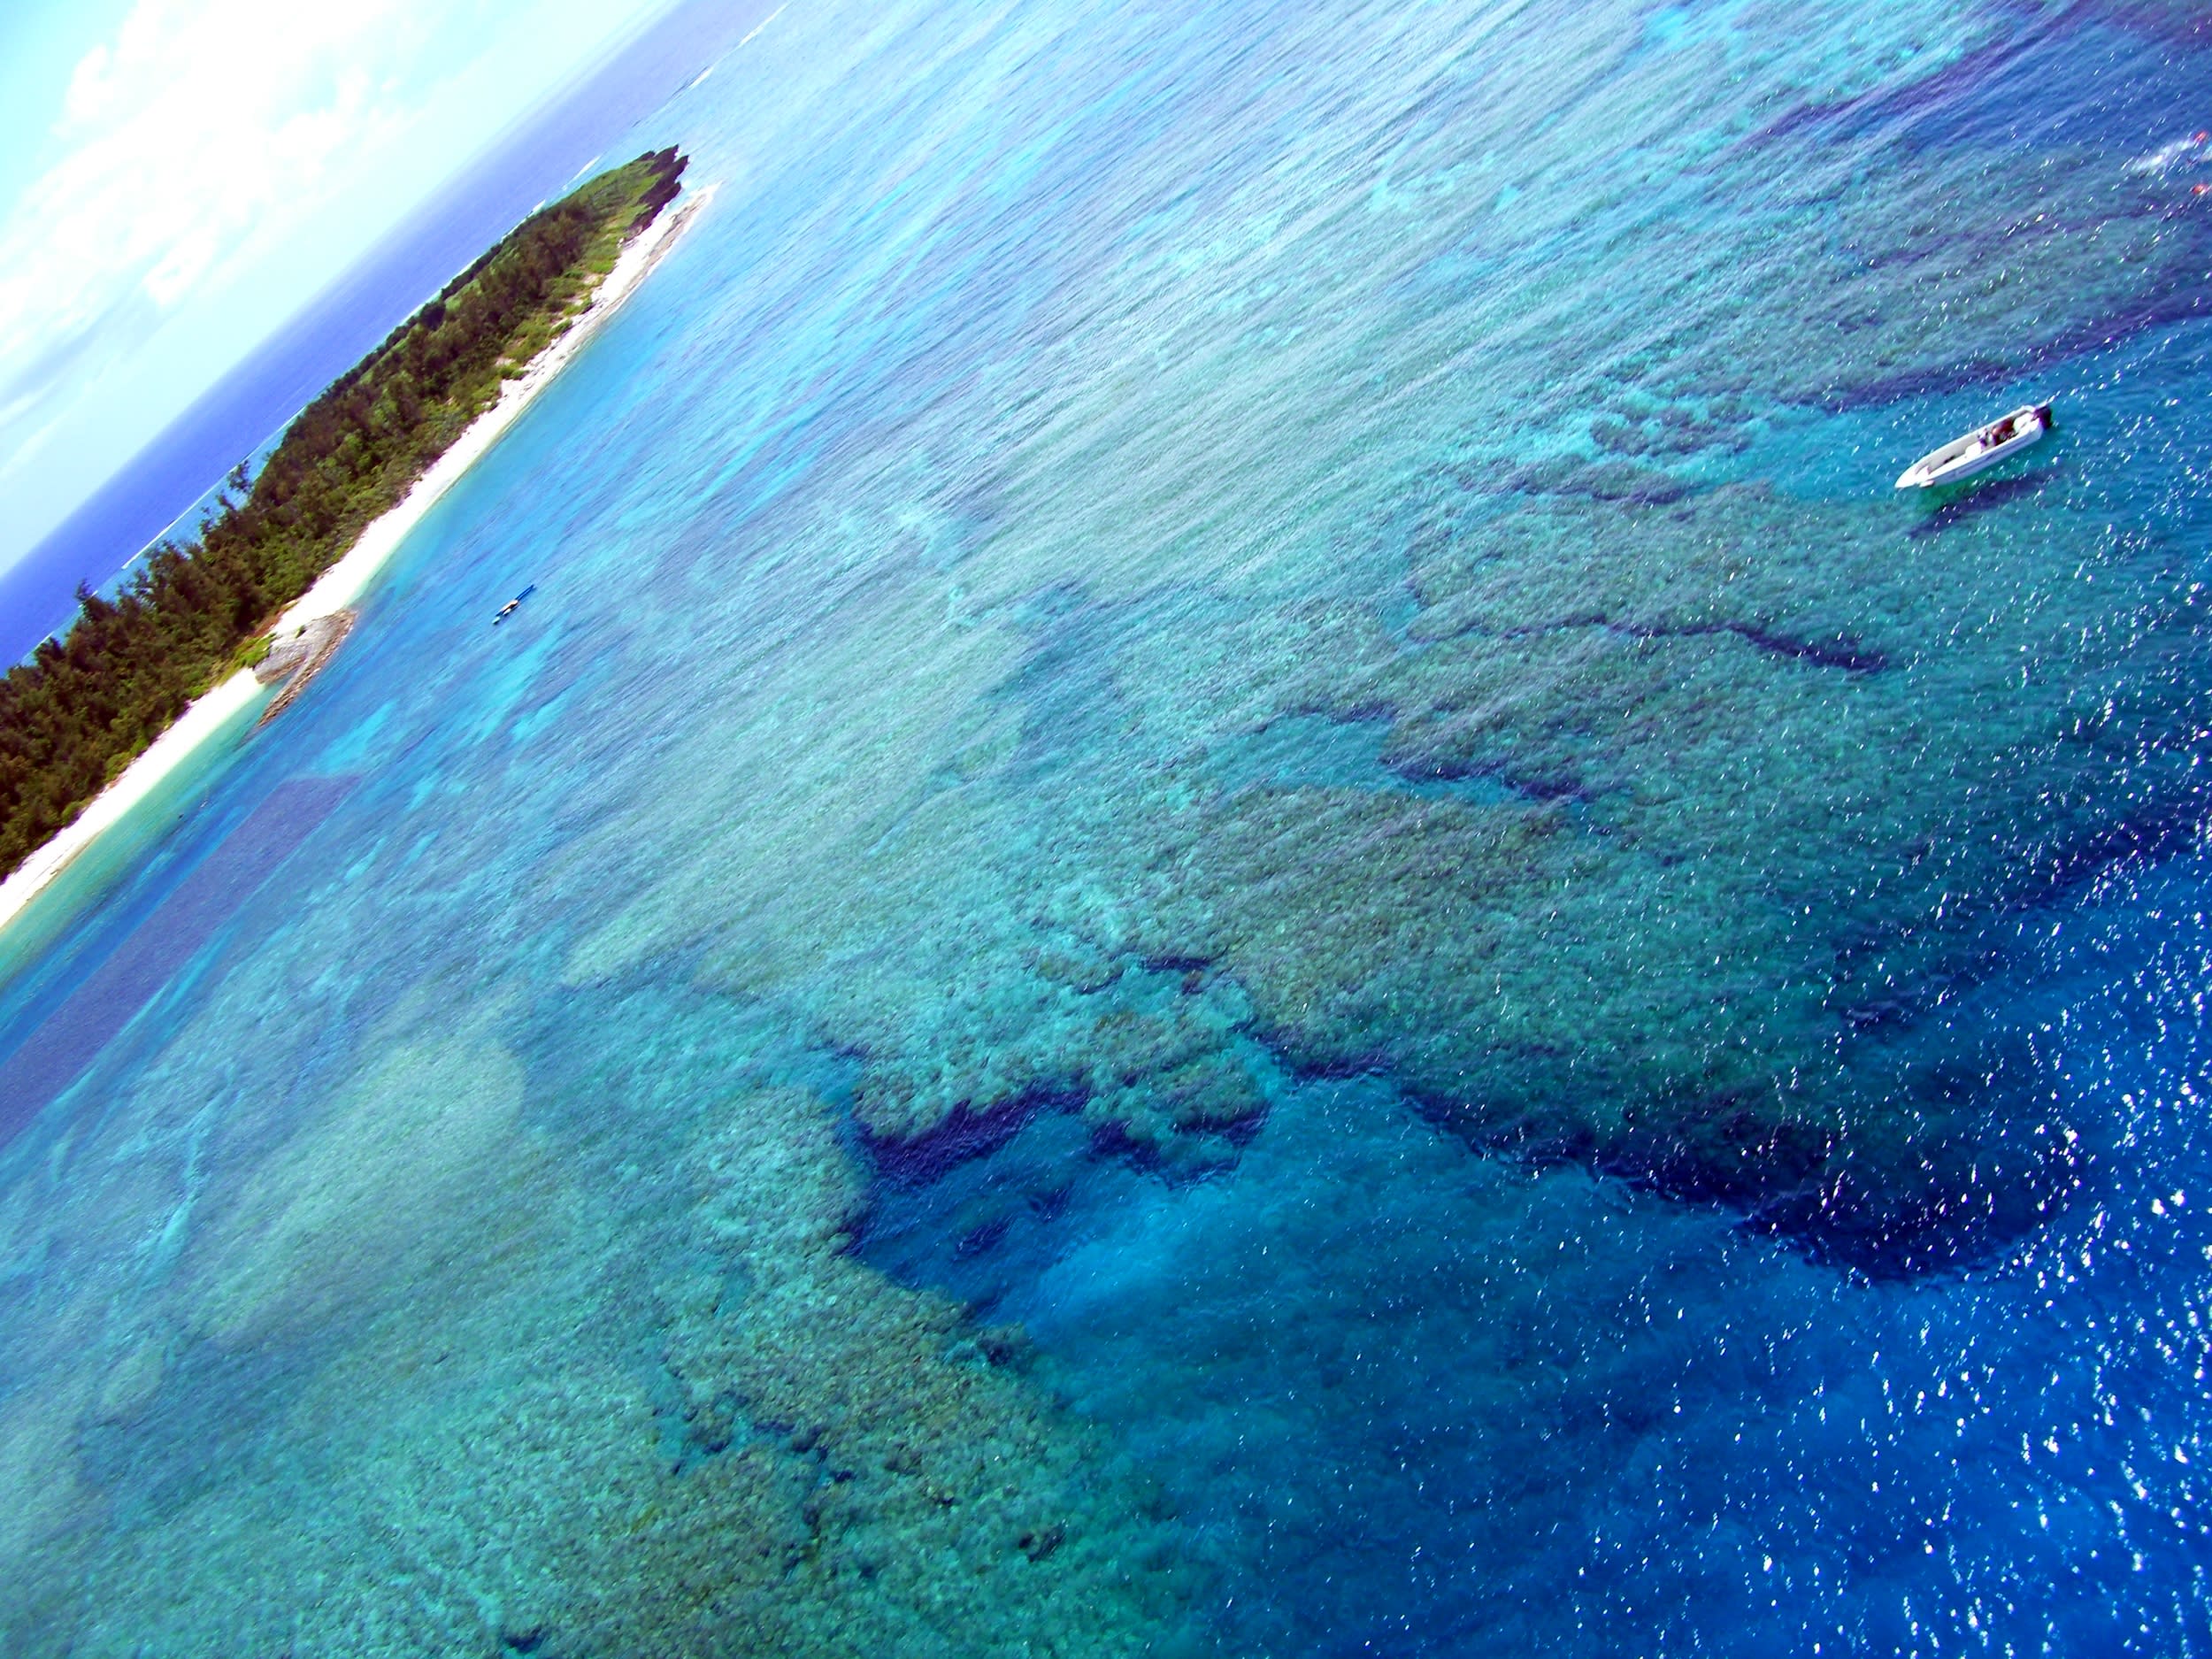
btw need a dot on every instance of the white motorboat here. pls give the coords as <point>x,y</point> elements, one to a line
<point>1979,449</point>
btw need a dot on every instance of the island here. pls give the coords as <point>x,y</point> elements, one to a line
<point>195,614</point>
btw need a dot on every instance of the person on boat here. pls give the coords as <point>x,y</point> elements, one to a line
<point>1999,433</point>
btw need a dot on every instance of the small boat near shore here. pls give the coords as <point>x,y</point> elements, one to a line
<point>1979,449</point>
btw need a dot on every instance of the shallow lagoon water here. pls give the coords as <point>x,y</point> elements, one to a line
<point>1238,888</point>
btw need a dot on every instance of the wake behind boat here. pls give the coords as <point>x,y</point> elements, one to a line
<point>1979,449</point>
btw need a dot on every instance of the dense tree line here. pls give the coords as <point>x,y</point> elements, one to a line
<point>84,704</point>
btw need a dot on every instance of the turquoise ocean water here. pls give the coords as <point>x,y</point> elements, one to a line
<point>1238,888</point>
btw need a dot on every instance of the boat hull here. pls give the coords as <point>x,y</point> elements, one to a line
<point>1964,458</point>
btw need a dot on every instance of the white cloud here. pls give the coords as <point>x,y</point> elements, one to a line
<point>189,129</point>
<point>88,85</point>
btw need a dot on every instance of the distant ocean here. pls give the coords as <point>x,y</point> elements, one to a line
<point>1239,887</point>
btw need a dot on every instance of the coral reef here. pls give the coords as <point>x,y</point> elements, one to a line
<point>1776,780</point>
<point>651,1416</point>
<point>1147,656</point>
<point>1743,780</point>
<point>1746,770</point>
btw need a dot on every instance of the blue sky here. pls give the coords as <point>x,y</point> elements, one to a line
<point>176,177</point>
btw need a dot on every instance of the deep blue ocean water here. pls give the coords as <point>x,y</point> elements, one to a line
<point>872,1072</point>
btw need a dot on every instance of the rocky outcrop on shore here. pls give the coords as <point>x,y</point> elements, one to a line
<point>300,658</point>
<point>309,640</point>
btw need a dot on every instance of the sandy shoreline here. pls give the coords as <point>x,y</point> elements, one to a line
<point>351,576</point>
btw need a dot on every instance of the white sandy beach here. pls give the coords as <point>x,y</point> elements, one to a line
<point>352,574</point>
